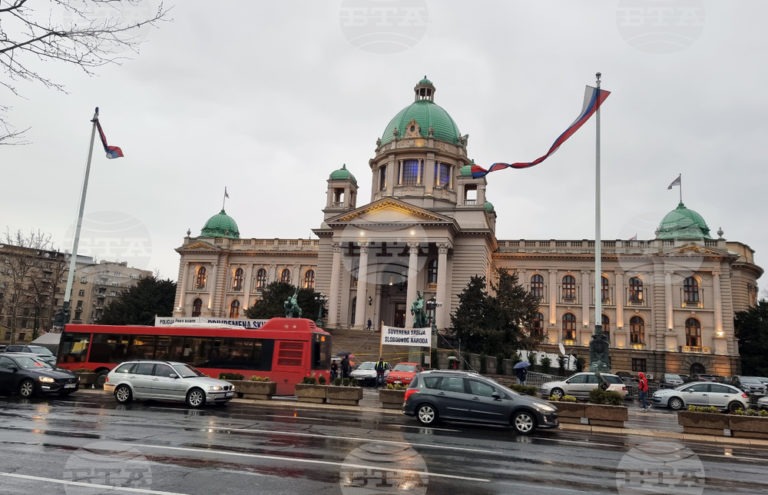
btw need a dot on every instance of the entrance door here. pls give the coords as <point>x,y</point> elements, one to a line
<point>400,315</point>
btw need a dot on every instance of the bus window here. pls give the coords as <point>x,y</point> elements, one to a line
<point>141,347</point>
<point>73,347</point>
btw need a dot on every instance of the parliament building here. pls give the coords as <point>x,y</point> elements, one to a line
<point>668,303</point>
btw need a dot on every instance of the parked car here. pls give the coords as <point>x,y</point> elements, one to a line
<point>365,373</point>
<point>42,353</point>
<point>166,380</point>
<point>721,395</point>
<point>670,380</point>
<point>752,385</point>
<point>709,378</point>
<point>762,403</point>
<point>581,384</point>
<point>403,373</point>
<point>450,395</point>
<point>24,374</point>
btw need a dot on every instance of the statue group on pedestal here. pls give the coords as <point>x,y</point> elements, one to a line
<point>291,305</point>
<point>419,312</point>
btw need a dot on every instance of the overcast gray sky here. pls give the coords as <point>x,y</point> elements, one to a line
<point>268,98</point>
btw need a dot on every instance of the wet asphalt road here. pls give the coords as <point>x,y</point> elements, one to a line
<point>87,444</point>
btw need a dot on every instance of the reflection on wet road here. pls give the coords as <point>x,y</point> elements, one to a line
<point>88,444</point>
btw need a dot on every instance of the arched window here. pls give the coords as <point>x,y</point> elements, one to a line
<point>606,325</point>
<point>692,332</point>
<point>234,309</point>
<point>537,286</point>
<point>410,173</point>
<point>635,291</point>
<point>432,272</point>
<point>261,278</point>
<point>309,279</point>
<point>237,279</point>
<point>569,327</point>
<point>538,325</point>
<point>197,307</point>
<point>201,278</point>
<point>636,330</point>
<point>569,288</point>
<point>691,291</point>
<point>442,174</point>
<point>605,294</point>
<point>285,276</point>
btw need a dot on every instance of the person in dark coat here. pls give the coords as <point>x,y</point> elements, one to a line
<point>522,373</point>
<point>345,367</point>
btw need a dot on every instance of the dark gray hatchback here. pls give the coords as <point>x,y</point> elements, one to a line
<point>469,397</point>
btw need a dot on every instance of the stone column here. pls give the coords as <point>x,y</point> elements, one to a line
<point>362,286</point>
<point>413,275</point>
<point>441,313</point>
<point>333,290</point>
<point>553,339</point>
<point>181,290</point>
<point>583,337</point>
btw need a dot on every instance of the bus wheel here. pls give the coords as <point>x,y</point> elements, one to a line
<point>195,398</point>
<point>123,394</point>
<point>101,379</point>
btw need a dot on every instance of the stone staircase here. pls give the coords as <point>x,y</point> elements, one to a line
<point>365,346</point>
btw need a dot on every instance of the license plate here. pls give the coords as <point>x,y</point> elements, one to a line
<point>69,385</point>
<point>229,394</point>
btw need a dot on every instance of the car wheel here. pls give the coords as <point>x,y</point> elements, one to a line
<point>523,422</point>
<point>735,406</point>
<point>123,394</point>
<point>27,388</point>
<point>195,398</point>
<point>557,393</point>
<point>676,403</point>
<point>426,414</point>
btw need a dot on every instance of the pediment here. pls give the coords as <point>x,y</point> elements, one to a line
<point>198,245</point>
<point>389,211</point>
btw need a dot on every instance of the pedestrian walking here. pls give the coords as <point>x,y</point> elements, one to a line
<point>522,374</point>
<point>334,370</point>
<point>642,390</point>
<point>381,369</point>
<point>345,367</point>
<point>370,325</point>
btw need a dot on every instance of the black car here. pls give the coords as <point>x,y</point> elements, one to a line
<point>24,374</point>
<point>466,396</point>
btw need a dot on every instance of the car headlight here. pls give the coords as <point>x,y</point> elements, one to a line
<point>46,379</point>
<point>544,408</point>
<point>215,388</point>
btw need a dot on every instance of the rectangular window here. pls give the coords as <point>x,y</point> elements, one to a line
<point>638,364</point>
<point>383,178</point>
<point>410,175</point>
<point>442,175</point>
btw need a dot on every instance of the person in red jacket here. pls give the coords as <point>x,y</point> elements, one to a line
<point>642,390</point>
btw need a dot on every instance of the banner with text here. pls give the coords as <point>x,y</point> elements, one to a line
<point>415,337</point>
<point>163,321</point>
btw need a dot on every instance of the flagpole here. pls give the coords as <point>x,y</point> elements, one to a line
<point>76,242</point>
<point>599,346</point>
<point>680,178</point>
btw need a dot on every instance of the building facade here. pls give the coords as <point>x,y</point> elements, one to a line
<point>98,284</point>
<point>668,302</point>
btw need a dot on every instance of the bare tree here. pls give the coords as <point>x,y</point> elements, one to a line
<point>84,33</point>
<point>27,284</point>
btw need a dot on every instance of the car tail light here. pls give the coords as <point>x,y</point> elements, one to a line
<point>409,392</point>
<point>744,395</point>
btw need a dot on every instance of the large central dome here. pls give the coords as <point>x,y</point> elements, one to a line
<point>429,118</point>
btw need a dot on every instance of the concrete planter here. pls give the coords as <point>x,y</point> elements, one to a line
<point>254,390</point>
<point>719,424</point>
<point>345,396</point>
<point>87,379</point>
<point>391,398</point>
<point>591,414</point>
<point>306,392</point>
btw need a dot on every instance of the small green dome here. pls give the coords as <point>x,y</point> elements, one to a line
<point>466,170</point>
<point>488,207</point>
<point>221,225</point>
<point>682,223</point>
<point>427,114</point>
<point>343,174</point>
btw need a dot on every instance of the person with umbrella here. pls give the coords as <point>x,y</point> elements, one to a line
<point>521,370</point>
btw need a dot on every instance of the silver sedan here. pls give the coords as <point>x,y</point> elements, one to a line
<point>719,395</point>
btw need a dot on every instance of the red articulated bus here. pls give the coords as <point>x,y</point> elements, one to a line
<point>283,349</point>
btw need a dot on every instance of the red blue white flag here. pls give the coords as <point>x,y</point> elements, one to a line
<point>593,98</point>
<point>112,151</point>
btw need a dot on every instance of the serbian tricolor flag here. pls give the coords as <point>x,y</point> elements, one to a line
<point>112,151</point>
<point>593,98</point>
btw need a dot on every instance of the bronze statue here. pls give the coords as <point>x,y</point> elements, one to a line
<point>419,312</point>
<point>599,358</point>
<point>291,305</point>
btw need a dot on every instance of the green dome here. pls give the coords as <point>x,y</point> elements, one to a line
<point>221,225</point>
<point>427,114</point>
<point>682,223</point>
<point>488,206</point>
<point>343,174</point>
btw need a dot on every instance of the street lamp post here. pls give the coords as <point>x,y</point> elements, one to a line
<point>432,306</point>
<point>321,299</point>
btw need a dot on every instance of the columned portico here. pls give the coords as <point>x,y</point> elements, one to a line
<point>362,287</point>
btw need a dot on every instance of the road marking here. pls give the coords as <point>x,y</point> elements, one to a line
<point>108,488</point>
<point>313,461</point>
